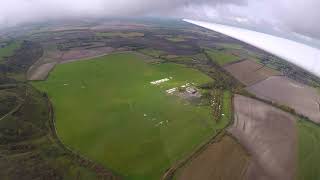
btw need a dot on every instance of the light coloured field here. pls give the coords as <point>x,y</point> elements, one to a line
<point>250,72</point>
<point>303,99</point>
<point>270,136</point>
<point>108,110</point>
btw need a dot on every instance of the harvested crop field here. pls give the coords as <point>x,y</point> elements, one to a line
<point>269,135</point>
<point>305,100</point>
<point>250,72</point>
<point>225,159</point>
<point>40,72</point>
<point>109,110</point>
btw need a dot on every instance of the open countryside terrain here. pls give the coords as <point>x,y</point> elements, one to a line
<point>134,114</point>
<point>303,99</point>
<point>108,110</point>
<point>270,136</point>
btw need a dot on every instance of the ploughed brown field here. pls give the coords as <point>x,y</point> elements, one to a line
<point>250,72</point>
<point>225,159</point>
<point>269,135</point>
<point>304,99</point>
<point>41,69</point>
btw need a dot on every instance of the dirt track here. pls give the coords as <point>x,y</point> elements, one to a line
<point>269,135</point>
<point>305,100</point>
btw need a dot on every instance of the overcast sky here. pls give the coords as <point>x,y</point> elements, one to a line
<point>301,17</point>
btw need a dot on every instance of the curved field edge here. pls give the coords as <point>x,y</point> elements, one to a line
<point>114,157</point>
<point>227,120</point>
<point>28,148</point>
<point>309,150</point>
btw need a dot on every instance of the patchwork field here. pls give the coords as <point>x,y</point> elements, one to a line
<point>304,99</point>
<point>250,72</point>
<point>270,136</point>
<point>108,110</point>
<point>309,148</point>
<point>217,161</point>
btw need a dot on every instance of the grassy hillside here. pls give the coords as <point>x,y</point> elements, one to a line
<point>107,109</point>
<point>309,148</point>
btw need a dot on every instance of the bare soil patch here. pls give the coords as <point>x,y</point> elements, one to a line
<point>250,72</point>
<point>40,72</point>
<point>269,135</point>
<point>225,159</point>
<point>304,99</point>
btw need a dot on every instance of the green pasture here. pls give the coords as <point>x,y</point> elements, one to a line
<point>309,150</point>
<point>221,57</point>
<point>107,110</point>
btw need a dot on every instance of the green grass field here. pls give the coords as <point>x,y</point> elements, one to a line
<point>221,57</point>
<point>309,151</point>
<point>176,39</point>
<point>8,50</point>
<point>107,110</point>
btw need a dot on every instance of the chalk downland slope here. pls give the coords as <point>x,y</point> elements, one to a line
<point>270,136</point>
<point>304,99</point>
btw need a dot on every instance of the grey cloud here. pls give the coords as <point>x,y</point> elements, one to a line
<point>16,11</point>
<point>299,16</point>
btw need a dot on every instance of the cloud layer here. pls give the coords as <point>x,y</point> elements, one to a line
<point>283,15</point>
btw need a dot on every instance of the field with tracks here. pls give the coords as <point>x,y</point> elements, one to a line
<point>109,111</point>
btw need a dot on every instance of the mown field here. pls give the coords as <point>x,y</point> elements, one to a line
<point>309,148</point>
<point>107,110</point>
<point>8,50</point>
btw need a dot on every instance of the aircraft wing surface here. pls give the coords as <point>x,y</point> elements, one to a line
<point>302,55</point>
